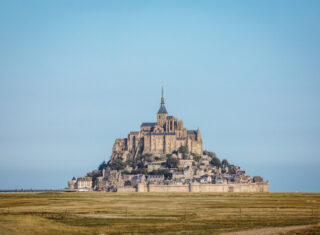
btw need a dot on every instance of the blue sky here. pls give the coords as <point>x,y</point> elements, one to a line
<point>75,75</point>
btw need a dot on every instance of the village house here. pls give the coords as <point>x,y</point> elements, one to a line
<point>155,179</point>
<point>83,183</point>
<point>185,163</point>
<point>153,166</point>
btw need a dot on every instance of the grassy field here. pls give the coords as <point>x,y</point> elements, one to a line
<point>136,213</point>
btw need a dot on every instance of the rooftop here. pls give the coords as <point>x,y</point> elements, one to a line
<point>148,124</point>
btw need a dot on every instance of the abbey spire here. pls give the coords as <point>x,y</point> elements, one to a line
<point>162,109</point>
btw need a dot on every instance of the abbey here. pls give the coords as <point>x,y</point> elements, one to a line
<point>166,157</point>
<point>162,137</point>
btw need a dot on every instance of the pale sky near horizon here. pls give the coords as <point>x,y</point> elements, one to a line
<point>75,75</point>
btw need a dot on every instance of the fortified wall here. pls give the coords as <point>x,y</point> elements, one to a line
<point>198,188</point>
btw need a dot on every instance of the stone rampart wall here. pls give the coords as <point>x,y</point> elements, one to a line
<point>126,189</point>
<point>168,188</point>
<point>225,188</point>
<point>205,188</point>
<point>142,188</point>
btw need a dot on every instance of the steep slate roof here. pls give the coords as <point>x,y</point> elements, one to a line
<point>148,124</point>
<point>191,132</point>
<point>162,109</point>
<point>160,133</point>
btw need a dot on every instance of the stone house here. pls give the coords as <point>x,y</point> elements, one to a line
<point>177,175</point>
<point>206,179</point>
<point>200,172</point>
<point>83,183</point>
<point>128,169</point>
<point>204,161</point>
<point>188,172</point>
<point>153,166</point>
<point>155,179</point>
<point>136,179</point>
<point>185,163</point>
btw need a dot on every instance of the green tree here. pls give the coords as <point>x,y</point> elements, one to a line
<point>197,158</point>
<point>216,162</point>
<point>172,162</point>
<point>102,166</point>
<point>168,155</point>
<point>211,154</point>
<point>183,149</point>
<point>225,162</point>
<point>116,165</point>
<point>94,174</point>
<point>140,165</point>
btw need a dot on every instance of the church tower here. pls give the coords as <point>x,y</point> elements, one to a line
<point>162,113</point>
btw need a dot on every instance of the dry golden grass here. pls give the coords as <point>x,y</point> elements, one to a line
<point>136,213</point>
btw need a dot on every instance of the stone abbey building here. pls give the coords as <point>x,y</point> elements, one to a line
<point>161,137</point>
<point>166,157</point>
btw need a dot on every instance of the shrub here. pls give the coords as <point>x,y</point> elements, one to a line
<point>183,149</point>
<point>116,165</point>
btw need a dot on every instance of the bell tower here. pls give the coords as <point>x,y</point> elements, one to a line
<point>162,113</point>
